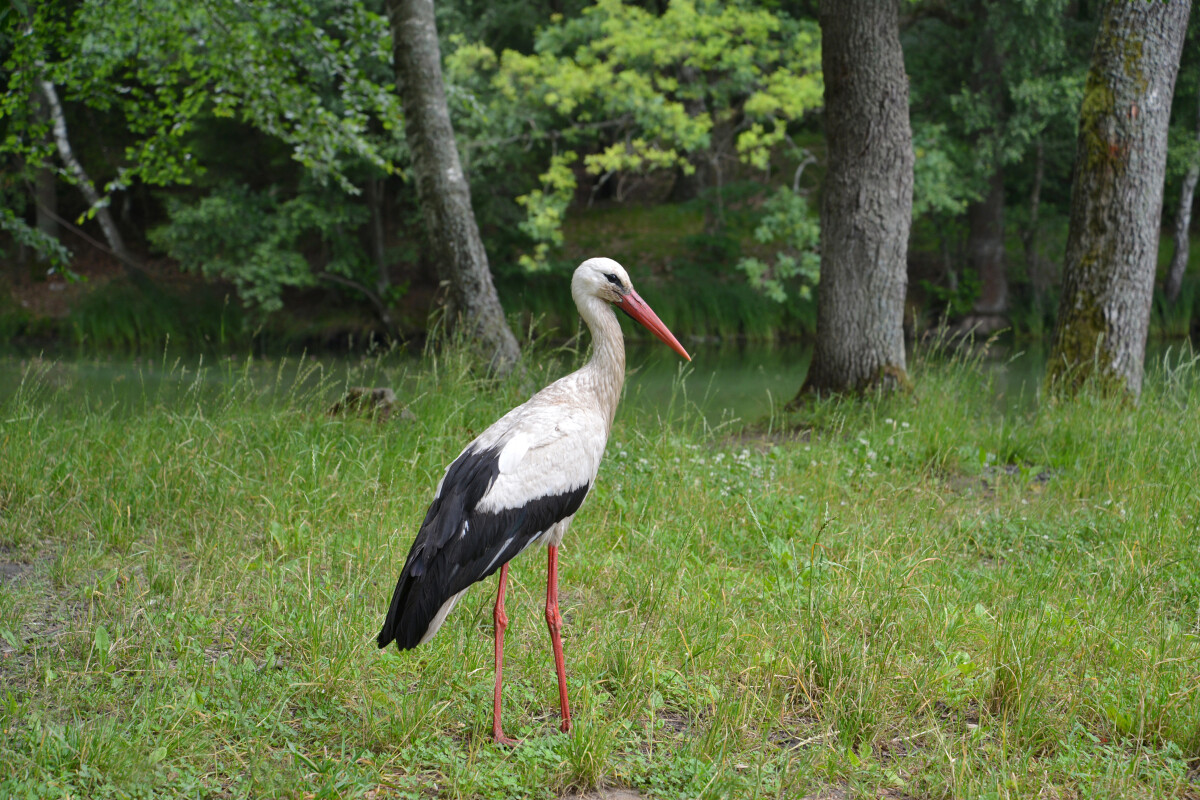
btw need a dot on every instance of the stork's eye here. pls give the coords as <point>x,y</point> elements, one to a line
<point>614,280</point>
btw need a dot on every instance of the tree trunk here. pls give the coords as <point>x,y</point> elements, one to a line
<point>985,217</point>
<point>866,204</point>
<point>378,251</point>
<point>442,188</point>
<point>1116,197</point>
<point>985,247</point>
<point>46,199</point>
<point>116,243</point>
<point>44,185</point>
<point>1033,264</point>
<point>1183,221</point>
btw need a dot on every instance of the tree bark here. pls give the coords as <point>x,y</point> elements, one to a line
<point>1033,265</point>
<point>985,247</point>
<point>442,188</point>
<point>378,251</point>
<point>1183,221</point>
<point>63,142</point>
<point>866,204</point>
<point>44,186</point>
<point>1116,197</point>
<point>985,217</point>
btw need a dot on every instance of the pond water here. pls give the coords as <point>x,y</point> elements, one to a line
<point>722,381</point>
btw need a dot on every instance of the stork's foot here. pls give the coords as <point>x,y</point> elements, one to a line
<point>504,741</point>
<point>565,727</point>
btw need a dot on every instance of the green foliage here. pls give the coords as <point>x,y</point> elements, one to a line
<point>1183,147</point>
<point>686,272</point>
<point>1183,150</point>
<point>796,265</point>
<point>314,74</point>
<point>259,242</point>
<point>635,92</point>
<point>957,300</point>
<point>938,189</point>
<point>986,83</point>
<point>546,210</point>
<point>47,247</point>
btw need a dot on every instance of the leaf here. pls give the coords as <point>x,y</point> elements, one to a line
<point>102,641</point>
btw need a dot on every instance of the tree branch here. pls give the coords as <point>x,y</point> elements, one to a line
<point>537,135</point>
<point>381,309</point>
<point>116,244</point>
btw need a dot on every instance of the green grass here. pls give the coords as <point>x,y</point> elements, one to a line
<point>123,317</point>
<point>914,597</point>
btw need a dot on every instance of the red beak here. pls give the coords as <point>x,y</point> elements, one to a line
<point>633,305</point>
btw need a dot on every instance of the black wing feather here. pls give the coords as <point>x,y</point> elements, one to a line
<point>442,562</point>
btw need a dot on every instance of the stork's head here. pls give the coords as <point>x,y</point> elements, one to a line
<point>607,280</point>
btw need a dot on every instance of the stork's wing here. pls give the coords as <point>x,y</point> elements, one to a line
<point>554,450</point>
<point>507,488</point>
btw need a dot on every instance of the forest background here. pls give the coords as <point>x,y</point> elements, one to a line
<point>227,173</point>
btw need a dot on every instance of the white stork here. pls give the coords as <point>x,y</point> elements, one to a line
<point>521,481</point>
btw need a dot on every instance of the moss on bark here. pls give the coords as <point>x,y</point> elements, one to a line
<point>1116,199</point>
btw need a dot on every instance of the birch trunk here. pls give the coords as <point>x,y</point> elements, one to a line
<point>63,143</point>
<point>866,206</point>
<point>44,185</point>
<point>442,188</point>
<point>1116,197</point>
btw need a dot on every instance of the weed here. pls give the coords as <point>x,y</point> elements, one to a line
<point>939,594</point>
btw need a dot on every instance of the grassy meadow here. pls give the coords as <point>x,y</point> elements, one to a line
<point>918,596</point>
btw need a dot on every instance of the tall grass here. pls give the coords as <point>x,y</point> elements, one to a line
<point>916,595</point>
<point>1176,320</point>
<point>124,317</point>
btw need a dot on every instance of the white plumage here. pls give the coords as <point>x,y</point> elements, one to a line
<point>521,481</point>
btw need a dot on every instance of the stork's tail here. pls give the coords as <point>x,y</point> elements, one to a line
<point>397,622</point>
<point>415,614</point>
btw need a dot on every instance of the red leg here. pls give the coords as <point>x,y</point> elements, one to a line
<point>554,622</point>
<point>501,620</point>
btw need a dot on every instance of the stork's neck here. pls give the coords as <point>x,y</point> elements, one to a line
<point>604,372</point>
